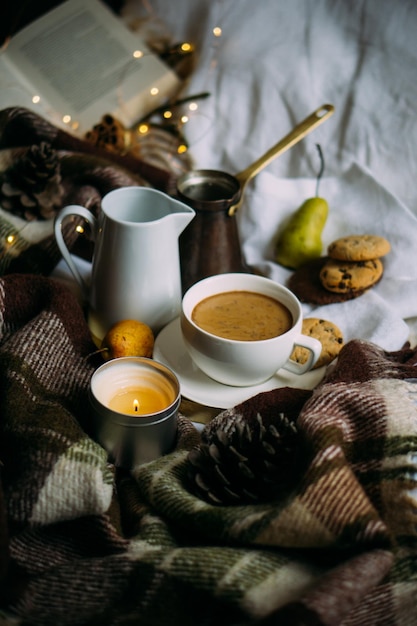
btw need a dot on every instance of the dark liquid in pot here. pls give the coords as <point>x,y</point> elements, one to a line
<point>207,192</point>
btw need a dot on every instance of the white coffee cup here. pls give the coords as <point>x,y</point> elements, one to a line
<point>245,363</point>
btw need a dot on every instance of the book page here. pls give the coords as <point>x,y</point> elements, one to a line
<point>57,53</point>
<point>80,58</point>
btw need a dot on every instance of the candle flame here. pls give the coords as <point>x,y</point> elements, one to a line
<point>136,405</point>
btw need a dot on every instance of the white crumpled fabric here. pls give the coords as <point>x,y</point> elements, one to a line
<point>273,65</point>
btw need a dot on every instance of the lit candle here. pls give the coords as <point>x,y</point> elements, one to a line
<point>134,403</point>
<point>141,400</point>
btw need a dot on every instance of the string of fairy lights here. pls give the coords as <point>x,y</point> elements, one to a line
<point>137,54</point>
<point>190,104</point>
<point>172,114</point>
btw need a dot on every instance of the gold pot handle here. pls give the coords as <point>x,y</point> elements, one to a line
<point>301,130</point>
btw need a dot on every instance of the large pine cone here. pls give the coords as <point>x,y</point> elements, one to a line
<point>241,461</point>
<point>31,188</point>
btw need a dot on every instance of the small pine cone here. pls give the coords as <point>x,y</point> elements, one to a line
<point>241,461</point>
<point>31,188</point>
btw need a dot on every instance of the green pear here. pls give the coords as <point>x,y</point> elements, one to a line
<point>300,241</point>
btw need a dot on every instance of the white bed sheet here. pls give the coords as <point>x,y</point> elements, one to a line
<point>275,63</point>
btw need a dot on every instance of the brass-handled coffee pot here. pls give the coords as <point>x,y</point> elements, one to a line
<point>210,243</point>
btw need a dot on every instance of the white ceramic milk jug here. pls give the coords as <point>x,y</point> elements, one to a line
<point>135,267</point>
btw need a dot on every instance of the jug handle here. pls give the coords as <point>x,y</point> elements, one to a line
<point>73,209</point>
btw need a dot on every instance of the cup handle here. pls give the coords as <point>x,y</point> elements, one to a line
<point>314,348</point>
<point>73,209</point>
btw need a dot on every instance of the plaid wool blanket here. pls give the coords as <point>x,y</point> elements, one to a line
<point>84,544</point>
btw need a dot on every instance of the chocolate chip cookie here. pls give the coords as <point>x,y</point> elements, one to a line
<point>306,285</point>
<point>358,248</point>
<point>350,276</point>
<point>328,334</point>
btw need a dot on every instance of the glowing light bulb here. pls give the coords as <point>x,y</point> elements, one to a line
<point>193,106</point>
<point>154,91</point>
<point>184,119</point>
<point>36,99</point>
<point>138,54</point>
<point>186,47</point>
<point>143,129</point>
<point>10,238</point>
<point>79,229</point>
<point>217,31</point>
<point>66,119</point>
<point>182,148</point>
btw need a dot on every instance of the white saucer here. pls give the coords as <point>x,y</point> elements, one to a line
<point>195,385</point>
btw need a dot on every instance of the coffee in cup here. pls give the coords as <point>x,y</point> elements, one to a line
<point>240,329</point>
<point>242,315</point>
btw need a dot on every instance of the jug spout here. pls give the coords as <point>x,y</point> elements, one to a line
<point>181,216</point>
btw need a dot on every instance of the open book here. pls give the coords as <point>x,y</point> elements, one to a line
<point>79,62</point>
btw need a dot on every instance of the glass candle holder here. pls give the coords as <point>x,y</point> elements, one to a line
<point>134,402</point>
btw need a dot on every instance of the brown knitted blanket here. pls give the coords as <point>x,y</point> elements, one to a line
<point>84,544</point>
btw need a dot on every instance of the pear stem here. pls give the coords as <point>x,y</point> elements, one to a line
<point>100,350</point>
<point>322,165</point>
